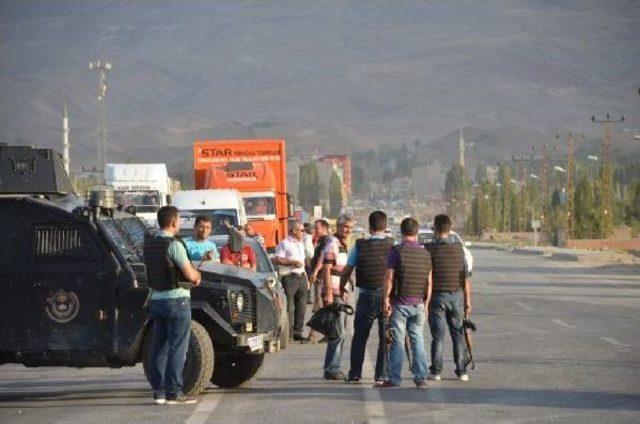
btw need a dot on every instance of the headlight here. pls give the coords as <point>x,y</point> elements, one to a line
<point>239,302</point>
<point>271,283</point>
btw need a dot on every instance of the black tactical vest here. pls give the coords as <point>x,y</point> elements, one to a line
<point>162,273</point>
<point>412,272</point>
<point>372,261</point>
<point>448,266</point>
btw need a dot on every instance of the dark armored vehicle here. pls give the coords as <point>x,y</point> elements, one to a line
<point>73,287</point>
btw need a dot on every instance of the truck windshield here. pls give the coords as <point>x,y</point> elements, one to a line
<point>221,217</point>
<point>143,200</point>
<point>260,205</point>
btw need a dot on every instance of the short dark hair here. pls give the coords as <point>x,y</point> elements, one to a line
<point>409,227</point>
<point>441,224</point>
<point>323,222</point>
<point>203,218</point>
<point>377,221</point>
<point>166,214</point>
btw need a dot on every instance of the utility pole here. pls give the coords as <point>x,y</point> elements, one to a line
<point>545,189</point>
<point>606,174</point>
<point>570,184</point>
<point>522,162</point>
<point>65,139</point>
<point>461,149</point>
<point>102,67</point>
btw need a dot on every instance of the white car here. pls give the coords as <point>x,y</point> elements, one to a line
<point>426,235</point>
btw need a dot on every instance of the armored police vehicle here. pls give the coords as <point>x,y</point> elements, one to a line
<point>73,285</point>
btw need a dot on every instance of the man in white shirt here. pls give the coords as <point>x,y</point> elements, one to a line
<point>290,257</point>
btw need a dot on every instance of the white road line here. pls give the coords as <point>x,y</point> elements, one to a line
<point>562,323</point>
<point>204,409</point>
<point>615,342</point>
<point>524,306</point>
<point>372,400</point>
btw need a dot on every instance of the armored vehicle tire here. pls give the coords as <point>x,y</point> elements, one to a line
<point>284,331</point>
<point>199,364</point>
<point>233,370</point>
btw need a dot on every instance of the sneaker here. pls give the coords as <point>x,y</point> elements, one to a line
<point>386,385</point>
<point>337,376</point>
<point>434,377</point>
<point>353,380</point>
<point>180,400</point>
<point>463,377</point>
<point>159,399</point>
<point>420,384</point>
<point>378,382</point>
<point>300,339</point>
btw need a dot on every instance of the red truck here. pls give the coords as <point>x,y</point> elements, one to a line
<point>257,169</point>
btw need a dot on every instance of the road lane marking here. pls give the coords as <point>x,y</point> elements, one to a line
<point>524,306</point>
<point>562,323</point>
<point>204,409</point>
<point>373,405</point>
<point>615,342</point>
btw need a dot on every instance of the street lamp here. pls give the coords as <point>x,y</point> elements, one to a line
<point>560,169</point>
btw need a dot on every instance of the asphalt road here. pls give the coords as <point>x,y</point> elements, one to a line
<point>556,343</point>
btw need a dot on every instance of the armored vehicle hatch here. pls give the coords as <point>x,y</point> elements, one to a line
<point>29,170</point>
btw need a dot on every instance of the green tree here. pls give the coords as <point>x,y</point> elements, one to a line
<point>335,195</point>
<point>586,218</point>
<point>457,188</point>
<point>633,208</point>
<point>504,176</point>
<point>309,186</point>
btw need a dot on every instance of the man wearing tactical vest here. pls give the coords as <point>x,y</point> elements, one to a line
<point>369,258</point>
<point>404,300</point>
<point>450,300</point>
<point>334,260</point>
<point>170,276</point>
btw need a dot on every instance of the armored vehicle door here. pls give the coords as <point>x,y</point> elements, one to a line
<point>63,278</point>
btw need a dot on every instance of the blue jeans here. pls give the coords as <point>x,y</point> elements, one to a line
<point>333,356</point>
<point>407,319</point>
<point>367,311</point>
<point>447,309</point>
<point>171,332</point>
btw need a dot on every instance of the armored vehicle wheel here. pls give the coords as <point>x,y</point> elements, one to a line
<point>284,332</point>
<point>236,369</point>
<point>199,364</point>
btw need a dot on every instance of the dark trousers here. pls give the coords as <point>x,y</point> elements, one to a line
<point>447,310</point>
<point>295,287</point>
<point>171,332</point>
<point>368,309</point>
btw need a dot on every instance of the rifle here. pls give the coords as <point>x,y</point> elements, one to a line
<point>468,326</point>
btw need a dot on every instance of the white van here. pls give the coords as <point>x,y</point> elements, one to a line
<point>224,206</point>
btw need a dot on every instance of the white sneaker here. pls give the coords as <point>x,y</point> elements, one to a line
<point>434,377</point>
<point>463,377</point>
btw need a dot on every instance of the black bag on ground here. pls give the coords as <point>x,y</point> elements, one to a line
<point>327,320</point>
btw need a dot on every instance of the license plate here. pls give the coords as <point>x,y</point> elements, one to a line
<point>256,342</point>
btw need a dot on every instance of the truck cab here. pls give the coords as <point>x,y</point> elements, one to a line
<point>146,186</point>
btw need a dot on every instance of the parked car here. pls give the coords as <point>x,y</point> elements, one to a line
<point>426,236</point>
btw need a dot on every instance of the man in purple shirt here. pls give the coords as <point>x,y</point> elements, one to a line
<point>404,299</point>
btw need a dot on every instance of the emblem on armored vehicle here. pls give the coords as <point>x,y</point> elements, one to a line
<point>62,306</point>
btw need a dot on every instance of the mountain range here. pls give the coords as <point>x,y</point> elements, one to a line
<point>329,76</point>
